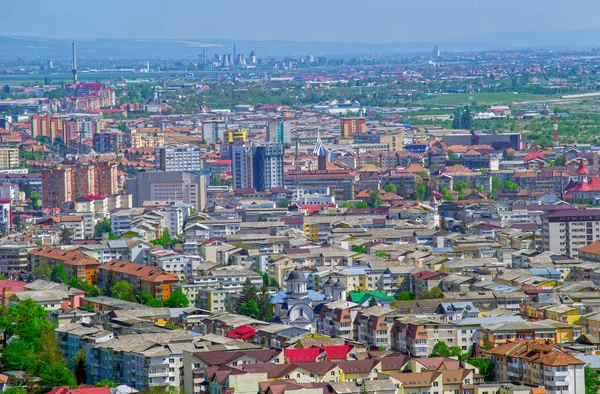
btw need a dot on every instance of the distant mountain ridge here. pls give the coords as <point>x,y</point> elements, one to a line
<point>12,47</point>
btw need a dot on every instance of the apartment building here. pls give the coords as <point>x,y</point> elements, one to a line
<point>352,126</point>
<point>417,336</point>
<point>143,277</point>
<point>9,156</point>
<point>13,256</point>
<point>71,337</point>
<point>372,326</point>
<point>168,186</point>
<point>336,319</point>
<point>539,363</point>
<point>76,263</point>
<point>177,158</point>
<point>557,332</point>
<point>566,231</point>
<point>130,360</point>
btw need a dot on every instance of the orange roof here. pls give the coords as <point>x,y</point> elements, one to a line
<point>144,272</point>
<point>68,257</point>
<point>416,168</point>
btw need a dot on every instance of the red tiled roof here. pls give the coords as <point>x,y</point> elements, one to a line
<point>303,355</point>
<point>242,332</point>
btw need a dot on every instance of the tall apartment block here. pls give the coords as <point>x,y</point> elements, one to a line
<point>351,126</point>
<point>260,166</point>
<point>68,183</point>
<point>9,156</point>
<point>268,166</point>
<point>213,130</point>
<point>177,158</point>
<point>566,231</point>
<point>241,165</point>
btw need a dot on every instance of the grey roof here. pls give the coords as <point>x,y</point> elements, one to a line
<point>592,361</point>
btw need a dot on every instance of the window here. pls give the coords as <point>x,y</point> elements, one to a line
<point>435,384</point>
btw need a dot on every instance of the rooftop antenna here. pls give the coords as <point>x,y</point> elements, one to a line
<point>74,64</point>
<point>470,95</point>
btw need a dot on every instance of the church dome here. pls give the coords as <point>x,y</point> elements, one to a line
<point>296,276</point>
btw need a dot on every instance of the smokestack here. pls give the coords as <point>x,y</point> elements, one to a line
<point>555,127</point>
<point>74,64</point>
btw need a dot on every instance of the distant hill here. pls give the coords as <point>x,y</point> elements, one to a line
<point>59,49</point>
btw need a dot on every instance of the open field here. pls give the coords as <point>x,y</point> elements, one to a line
<point>461,99</point>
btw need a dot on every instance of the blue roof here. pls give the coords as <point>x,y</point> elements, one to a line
<point>442,250</point>
<point>544,271</point>
<point>505,288</point>
<point>279,298</point>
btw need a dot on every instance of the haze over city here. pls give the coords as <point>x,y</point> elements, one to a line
<point>300,197</point>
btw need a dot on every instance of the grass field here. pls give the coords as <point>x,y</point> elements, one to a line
<point>461,99</point>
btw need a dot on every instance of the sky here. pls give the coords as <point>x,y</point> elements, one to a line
<point>366,21</point>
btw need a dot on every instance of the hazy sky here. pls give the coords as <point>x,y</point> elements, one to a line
<point>372,21</point>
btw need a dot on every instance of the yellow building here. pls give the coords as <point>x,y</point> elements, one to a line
<point>563,314</point>
<point>237,135</point>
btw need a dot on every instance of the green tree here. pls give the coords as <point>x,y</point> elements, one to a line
<point>440,349</point>
<point>404,296</point>
<point>59,274</point>
<point>15,390</point>
<point>66,236</point>
<point>592,381</point>
<point>466,119</point>
<point>248,294</point>
<point>103,226</point>
<point>391,188</point>
<point>359,249</point>
<point>496,186</point>
<point>459,186</point>
<point>510,185</point>
<point>446,195</point>
<point>431,294</point>
<point>177,300</point>
<point>402,188</point>
<point>283,203</point>
<point>265,308</point>
<point>106,383</point>
<point>560,161</point>
<point>250,309</point>
<point>42,271</point>
<point>374,200</point>
<point>420,192</point>
<point>486,369</point>
<point>164,240</point>
<point>382,255</point>
<point>452,155</point>
<point>110,282</point>
<point>215,180</point>
<point>506,155</point>
<point>35,200</point>
<point>480,188</point>
<point>123,290</point>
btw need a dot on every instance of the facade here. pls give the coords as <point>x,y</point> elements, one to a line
<point>143,277</point>
<point>539,363</point>
<point>69,183</point>
<point>9,156</point>
<point>76,263</point>
<point>351,126</point>
<point>213,131</point>
<point>168,186</point>
<point>177,158</point>
<point>241,166</point>
<point>57,187</point>
<point>268,167</point>
<point>567,231</point>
